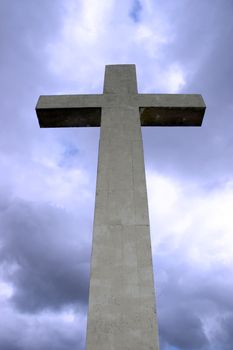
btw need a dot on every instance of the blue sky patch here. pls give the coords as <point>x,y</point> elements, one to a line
<point>136,11</point>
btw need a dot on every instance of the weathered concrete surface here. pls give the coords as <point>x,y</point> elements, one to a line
<point>121,299</point>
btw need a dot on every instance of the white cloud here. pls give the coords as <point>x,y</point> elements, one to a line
<point>98,33</point>
<point>174,78</point>
<point>44,178</point>
<point>198,221</point>
<point>6,290</point>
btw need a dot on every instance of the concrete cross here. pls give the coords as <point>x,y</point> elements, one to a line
<point>121,312</point>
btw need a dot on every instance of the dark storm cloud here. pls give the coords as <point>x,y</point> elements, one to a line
<point>183,322</point>
<point>189,296</point>
<point>51,259</point>
<point>224,337</point>
<point>23,333</point>
<point>7,345</point>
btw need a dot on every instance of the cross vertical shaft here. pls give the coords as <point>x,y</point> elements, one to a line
<point>121,298</point>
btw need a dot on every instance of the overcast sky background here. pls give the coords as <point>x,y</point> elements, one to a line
<point>47,177</point>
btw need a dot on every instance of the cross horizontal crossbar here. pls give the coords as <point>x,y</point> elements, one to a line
<point>155,109</point>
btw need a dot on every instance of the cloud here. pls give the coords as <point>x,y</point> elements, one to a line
<point>47,330</point>
<point>184,322</point>
<point>192,243</point>
<point>189,208</point>
<point>91,36</point>
<point>46,257</point>
<point>174,79</point>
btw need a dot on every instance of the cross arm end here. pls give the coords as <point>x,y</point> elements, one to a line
<point>172,110</point>
<point>69,110</point>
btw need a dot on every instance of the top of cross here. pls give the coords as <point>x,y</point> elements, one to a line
<point>120,79</point>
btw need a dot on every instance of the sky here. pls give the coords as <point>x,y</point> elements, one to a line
<point>48,176</point>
